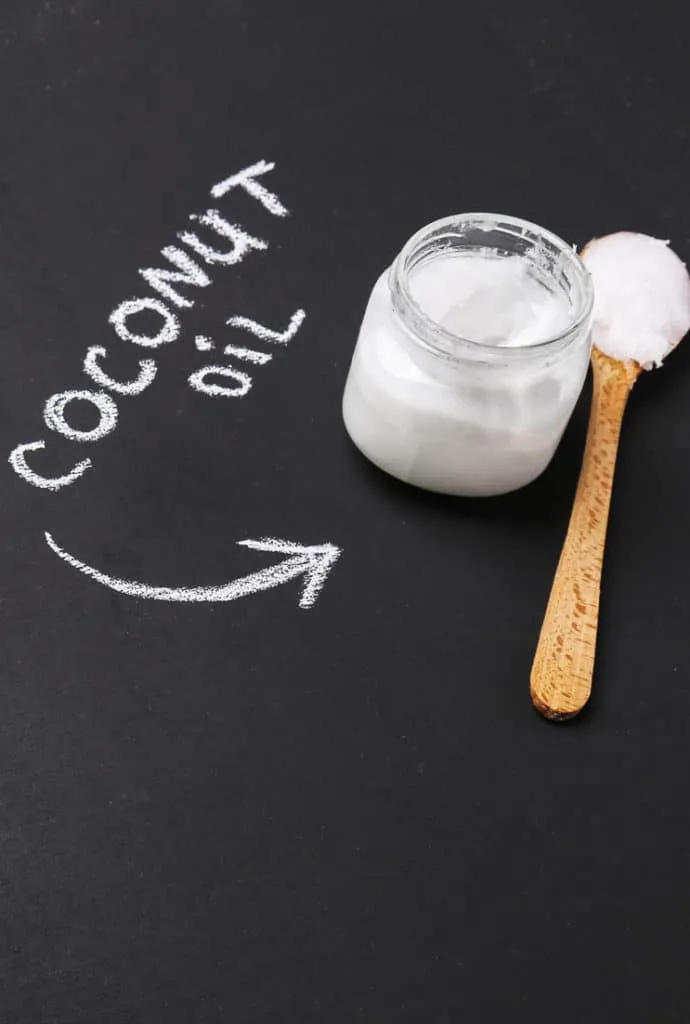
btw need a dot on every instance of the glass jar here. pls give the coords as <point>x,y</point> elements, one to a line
<point>477,415</point>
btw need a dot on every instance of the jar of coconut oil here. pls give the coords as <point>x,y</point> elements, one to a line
<point>471,355</point>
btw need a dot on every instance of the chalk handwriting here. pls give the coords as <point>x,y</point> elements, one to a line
<point>242,243</point>
<point>314,563</point>
<point>19,464</point>
<point>188,272</point>
<point>161,324</point>
<point>265,333</point>
<point>55,408</point>
<point>246,179</point>
<point>243,381</point>
<point>147,371</point>
<point>249,355</point>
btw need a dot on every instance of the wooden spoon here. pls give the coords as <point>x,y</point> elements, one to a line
<point>561,679</point>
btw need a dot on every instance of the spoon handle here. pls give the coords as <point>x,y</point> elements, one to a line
<point>561,679</point>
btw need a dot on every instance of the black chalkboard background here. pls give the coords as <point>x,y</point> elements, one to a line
<point>250,812</point>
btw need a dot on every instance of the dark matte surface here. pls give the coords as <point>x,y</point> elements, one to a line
<point>253,813</point>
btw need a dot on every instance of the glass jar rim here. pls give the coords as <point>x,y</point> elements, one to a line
<point>448,345</point>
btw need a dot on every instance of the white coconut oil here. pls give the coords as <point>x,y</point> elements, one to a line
<point>471,355</point>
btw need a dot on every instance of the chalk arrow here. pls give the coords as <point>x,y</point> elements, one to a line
<point>314,563</point>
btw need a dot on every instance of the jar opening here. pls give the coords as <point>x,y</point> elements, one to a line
<point>488,287</point>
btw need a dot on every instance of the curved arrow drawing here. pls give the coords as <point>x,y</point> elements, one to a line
<point>314,563</point>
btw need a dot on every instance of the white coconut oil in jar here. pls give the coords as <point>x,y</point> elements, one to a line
<point>472,353</point>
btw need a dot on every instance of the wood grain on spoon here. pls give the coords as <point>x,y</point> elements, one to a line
<point>561,680</point>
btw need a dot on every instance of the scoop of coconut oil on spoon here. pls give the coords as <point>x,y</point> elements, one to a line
<point>641,312</point>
